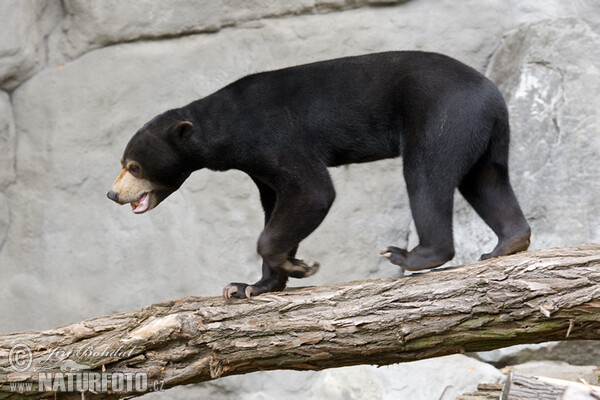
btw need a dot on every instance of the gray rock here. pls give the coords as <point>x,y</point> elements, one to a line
<point>7,142</point>
<point>4,219</point>
<point>580,392</point>
<point>549,73</point>
<point>85,113</point>
<point>74,121</point>
<point>557,370</point>
<point>470,25</point>
<point>7,161</point>
<point>89,25</point>
<point>19,55</point>
<point>576,352</point>
<point>280,385</point>
<point>66,244</point>
<point>443,378</point>
<point>23,25</point>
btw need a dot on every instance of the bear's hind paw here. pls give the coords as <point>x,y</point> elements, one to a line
<point>395,255</point>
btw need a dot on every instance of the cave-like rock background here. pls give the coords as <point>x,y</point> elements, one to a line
<point>78,77</point>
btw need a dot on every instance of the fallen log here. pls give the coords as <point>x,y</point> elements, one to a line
<point>529,297</point>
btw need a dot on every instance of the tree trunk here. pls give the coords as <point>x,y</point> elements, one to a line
<point>529,297</point>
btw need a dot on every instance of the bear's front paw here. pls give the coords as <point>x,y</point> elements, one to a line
<point>237,290</point>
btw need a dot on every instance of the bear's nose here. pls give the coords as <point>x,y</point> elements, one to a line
<point>114,196</point>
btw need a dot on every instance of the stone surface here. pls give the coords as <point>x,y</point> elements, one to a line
<point>443,378</point>
<point>7,142</point>
<point>557,370</point>
<point>67,253</point>
<point>23,25</point>
<point>548,72</point>
<point>4,219</point>
<point>7,161</point>
<point>207,231</point>
<point>578,352</point>
<point>580,393</point>
<point>89,25</point>
<point>74,120</point>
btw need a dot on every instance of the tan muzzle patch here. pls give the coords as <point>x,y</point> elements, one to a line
<point>129,188</point>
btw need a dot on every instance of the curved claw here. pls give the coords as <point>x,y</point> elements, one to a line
<point>395,255</point>
<point>312,269</point>
<point>248,291</point>
<point>387,253</point>
<point>299,269</point>
<point>232,290</point>
<point>229,291</point>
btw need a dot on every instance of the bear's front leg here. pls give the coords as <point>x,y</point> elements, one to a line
<point>298,208</point>
<point>271,281</point>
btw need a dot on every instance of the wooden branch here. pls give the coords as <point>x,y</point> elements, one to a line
<point>529,297</point>
<point>485,391</point>
<point>523,387</point>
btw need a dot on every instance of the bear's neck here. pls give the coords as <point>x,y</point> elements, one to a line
<point>214,139</point>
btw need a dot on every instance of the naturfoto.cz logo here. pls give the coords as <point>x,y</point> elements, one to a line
<point>76,377</point>
<point>20,358</point>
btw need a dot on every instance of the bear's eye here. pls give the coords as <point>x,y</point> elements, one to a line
<point>134,169</point>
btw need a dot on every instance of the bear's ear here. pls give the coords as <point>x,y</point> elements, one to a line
<point>181,129</point>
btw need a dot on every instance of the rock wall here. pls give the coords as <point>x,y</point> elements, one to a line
<point>78,77</point>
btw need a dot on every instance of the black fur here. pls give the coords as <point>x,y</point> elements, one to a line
<point>285,127</point>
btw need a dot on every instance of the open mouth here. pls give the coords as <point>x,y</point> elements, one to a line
<point>142,204</point>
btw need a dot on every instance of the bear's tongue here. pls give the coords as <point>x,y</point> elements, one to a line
<point>141,205</point>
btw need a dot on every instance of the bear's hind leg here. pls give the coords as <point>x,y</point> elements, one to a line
<point>487,188</point>
<point>431,202</point>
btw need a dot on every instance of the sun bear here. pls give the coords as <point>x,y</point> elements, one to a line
<point>284,128</point>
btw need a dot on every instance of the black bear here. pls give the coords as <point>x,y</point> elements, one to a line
<point>285,127</point>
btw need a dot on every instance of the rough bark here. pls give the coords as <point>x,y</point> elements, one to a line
<point>485,391</point>
<point>523,387</point>
<point>529,297</point>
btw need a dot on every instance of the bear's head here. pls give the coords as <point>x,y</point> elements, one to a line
<point>155,163</point>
